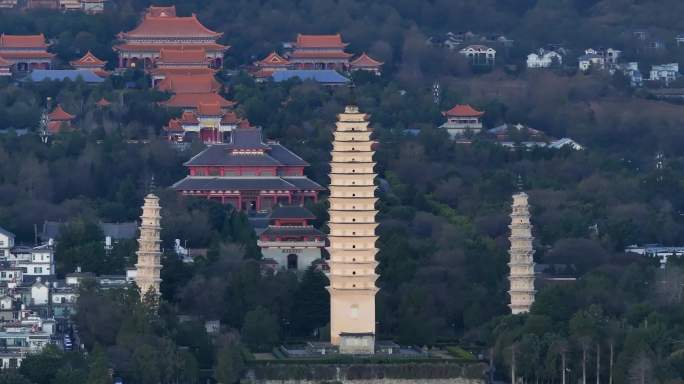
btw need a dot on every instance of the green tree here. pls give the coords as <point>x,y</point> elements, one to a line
<point>311,303</point>
<point>229,364</point>
<point>260,330</point>
<point>42,367</point>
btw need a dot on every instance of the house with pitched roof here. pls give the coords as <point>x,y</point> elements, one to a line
<point>25,52</point>
<point>479,54</point>
<point>320,52</point>
<point>462,120</point>
<point>91,63</point>
<point>183,61</point>
<point>6,243</point>
<point>290,240</point>
<point>160,29</point>
<point>271,63</point>
<point>366,63</point>
<point>208,123</point>
<point>189,91</point>
<point>248,173</point>
<point>59,120</point>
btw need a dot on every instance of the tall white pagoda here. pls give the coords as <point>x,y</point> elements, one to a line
<point>352,235</point>
<point>521,257</point>
<point>148,268</point>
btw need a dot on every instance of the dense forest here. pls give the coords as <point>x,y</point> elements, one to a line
<point>443,206</point>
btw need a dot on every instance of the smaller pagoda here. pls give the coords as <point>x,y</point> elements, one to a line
<point>290,240</point>
<point>366,63</point>
<point>521,263</point>
<point>148,267</point>
<point>462,120</point>
<point>59,120</point>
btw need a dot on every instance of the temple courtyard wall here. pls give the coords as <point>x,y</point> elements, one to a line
<point>387,373</point>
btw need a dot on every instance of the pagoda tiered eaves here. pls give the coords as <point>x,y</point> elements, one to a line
<point>352,235</point>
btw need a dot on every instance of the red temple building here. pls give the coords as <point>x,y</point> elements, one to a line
<point>162,29</point>
<point>189,91</point>
<point>365,63</point>
<point>44,4</point>
<point>462,119</point>
<point>290,240</point>
<point>90,62</point>
<point>181,62</point>
<point>208,123</point>
<point>59,120</point>
<point>103,103</point>
<point>249,174</point>
<point>25,52</point>
<point>320,52</point>
<point>271,63</point>
<point>5,67</point>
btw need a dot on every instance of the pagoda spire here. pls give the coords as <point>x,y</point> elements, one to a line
<point>521,257</point>
<point>148,268</point>
<point>352,235</point>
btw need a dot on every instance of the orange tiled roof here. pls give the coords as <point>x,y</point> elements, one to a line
<point>170,26</point>
<point>320,41</point>
<point>159,11</point>
<point>56,126</point>
<point>273,60</point>
<point>209,47</point>
<point>183,71</point>
<point>209,109</point>
<point>22,41</point>
<point>174,126</point>
<point>16,55</point>
<point>189,118</point>
<point>191,100</point>
<point>230,118</point>
<point>365,61</point>
<point>103,102</point>
<point>59,114</point>
<point>463,110</point>
<point>88,60</point>
<point>183,55</point>
<point>175,83</point>
<point>323,55</point>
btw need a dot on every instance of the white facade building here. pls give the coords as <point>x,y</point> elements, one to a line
<point>666,73</point>
<point>479,54</point>
<point>544,59</point>
<point>6,243</point>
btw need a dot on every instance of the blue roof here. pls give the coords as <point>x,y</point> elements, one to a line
<point>323,76</point>
<point>62,74</point>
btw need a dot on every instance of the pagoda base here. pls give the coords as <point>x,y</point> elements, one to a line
<point>357,343</point>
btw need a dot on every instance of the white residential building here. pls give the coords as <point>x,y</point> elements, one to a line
<point>544,59</point>
<point>40,293</point>
<point>599,58</point>
<point>665,72</point>
<point>479,54</point>
<point>6,243</point>
<point>35,261</point>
